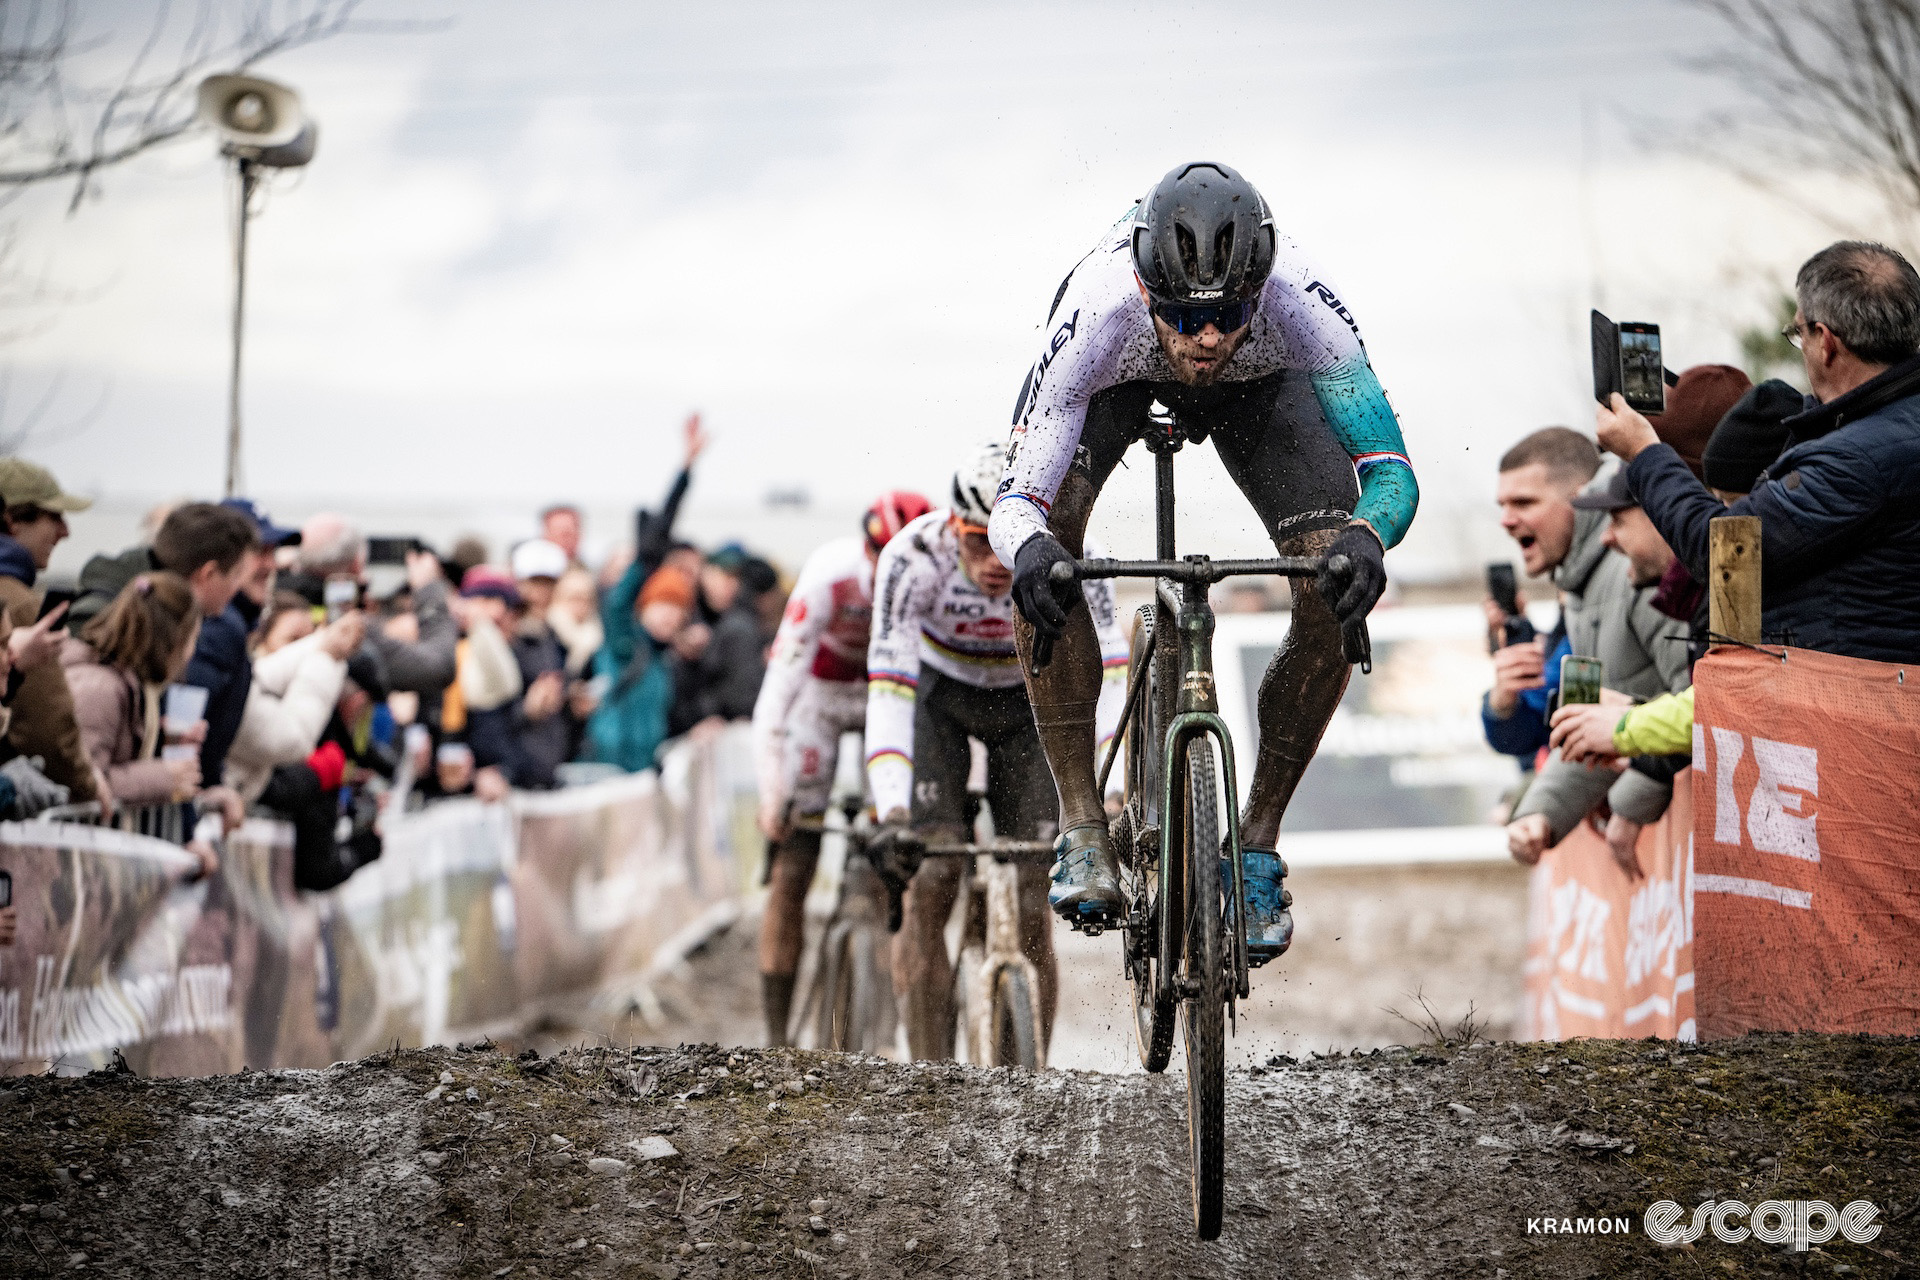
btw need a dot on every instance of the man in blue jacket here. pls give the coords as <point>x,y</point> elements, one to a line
<point>1840,508</point>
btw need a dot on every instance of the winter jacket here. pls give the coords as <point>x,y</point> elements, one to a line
<point>527,751</point>
<point>1839,521</point>
<point>1643,654</point>
<point>1663,727</point>
<point>425,666</point>
<point>120,725</point>
<point>102,578</point>
<point>725,680</point>
<point>43,722</point>
<point>293,695</point>
<point>1523,731</point>
<point>222,666</point>
<point>631,721</point>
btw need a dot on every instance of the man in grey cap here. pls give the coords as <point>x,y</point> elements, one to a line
<point>1629,531</point>
<point>35,519</point>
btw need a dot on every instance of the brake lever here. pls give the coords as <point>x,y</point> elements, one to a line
<point>1042,650</point>
<point>1358,643</point>
<point>1062,573</point>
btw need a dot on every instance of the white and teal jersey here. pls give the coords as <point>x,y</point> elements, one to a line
<point>1100,334</point>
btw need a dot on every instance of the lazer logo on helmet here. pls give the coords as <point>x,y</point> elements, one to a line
<point>1208,295</point>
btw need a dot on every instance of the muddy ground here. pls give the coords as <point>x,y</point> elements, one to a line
<point>701,1162</point>
<point>1372,945</point>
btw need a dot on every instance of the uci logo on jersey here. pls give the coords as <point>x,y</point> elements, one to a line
<point>1326,295</point>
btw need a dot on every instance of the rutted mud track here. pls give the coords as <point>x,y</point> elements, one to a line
<point>1401,1162</point>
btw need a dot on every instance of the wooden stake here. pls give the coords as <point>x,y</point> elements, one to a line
<point>1733,600</point>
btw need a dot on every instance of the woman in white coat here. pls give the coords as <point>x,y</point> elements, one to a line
<point>294,692</point>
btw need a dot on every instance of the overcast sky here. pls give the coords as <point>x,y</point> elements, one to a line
<point>532,241</point>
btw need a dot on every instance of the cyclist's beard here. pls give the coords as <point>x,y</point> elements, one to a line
<point>1181,352</point>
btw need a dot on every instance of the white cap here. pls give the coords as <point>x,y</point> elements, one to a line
<point>538,558</point>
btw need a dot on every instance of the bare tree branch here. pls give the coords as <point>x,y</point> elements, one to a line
<point>63,116</point>
<point>1832,86</point>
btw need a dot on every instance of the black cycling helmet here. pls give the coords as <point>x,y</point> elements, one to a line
<point>1202,235</point>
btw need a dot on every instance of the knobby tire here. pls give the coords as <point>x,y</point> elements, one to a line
<point>1154,1019</point>
<point>1204,1012</point>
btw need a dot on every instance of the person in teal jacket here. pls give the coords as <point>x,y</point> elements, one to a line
<point>641,616</point>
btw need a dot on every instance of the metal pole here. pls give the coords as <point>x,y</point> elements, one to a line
<point>239,313</point>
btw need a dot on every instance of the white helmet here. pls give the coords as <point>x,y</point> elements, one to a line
<point>976,482</point>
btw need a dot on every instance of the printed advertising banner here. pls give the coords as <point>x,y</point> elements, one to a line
<point>1806,853</point>
<point>477,919</point>
<point>1610,954</point>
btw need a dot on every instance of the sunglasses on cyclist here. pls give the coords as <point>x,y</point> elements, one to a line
<point>1225,316</point>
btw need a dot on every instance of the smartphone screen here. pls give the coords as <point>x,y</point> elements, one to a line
<point>1503,586</point>
<point>390,550</point>
<point>1641,374</point>
<point>1579,680</point>
<point>341,594</point>
<point>55,597</point>
<point>6,888</point>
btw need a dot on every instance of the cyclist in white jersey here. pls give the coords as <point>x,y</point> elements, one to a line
<point>815,690</point>
<point>942,668</point>
<point>1195,301</point>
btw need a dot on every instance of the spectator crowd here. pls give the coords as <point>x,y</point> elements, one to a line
<point>230,665</point>
<point>1621,530</point>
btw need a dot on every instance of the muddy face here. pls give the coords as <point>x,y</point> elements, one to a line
<point>1198,358</point>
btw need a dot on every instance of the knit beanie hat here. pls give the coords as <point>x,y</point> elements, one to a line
<point>668,584</point>
<point>1751,436</point>
<point>1695,406</point>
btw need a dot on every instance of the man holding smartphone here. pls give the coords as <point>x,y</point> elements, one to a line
<point>1610,615</point>
<point>1538,479</point>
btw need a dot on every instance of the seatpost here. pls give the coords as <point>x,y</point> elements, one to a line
<point>1163,504</point>
<point>1164,438</point>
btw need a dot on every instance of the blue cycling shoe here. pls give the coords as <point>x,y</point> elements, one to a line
<point>1086,881</point>
<point>1269,923</point>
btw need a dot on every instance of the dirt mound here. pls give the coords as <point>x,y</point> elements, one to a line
<point>703,1162</point>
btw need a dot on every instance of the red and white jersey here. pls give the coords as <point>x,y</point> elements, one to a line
<point>822,637</point>
<point>928,612</point>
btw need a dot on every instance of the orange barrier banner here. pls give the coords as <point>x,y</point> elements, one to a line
<point>1609,954</point>
<point>1806,795</point>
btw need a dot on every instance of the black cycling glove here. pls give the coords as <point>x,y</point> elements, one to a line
<point>1351,582</point>
<point>1043,602</point>
<point>896,853</point>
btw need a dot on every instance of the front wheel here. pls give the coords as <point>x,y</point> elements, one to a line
<point>1203,978</point>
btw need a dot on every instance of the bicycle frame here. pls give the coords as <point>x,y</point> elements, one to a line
<point>1181,593</point>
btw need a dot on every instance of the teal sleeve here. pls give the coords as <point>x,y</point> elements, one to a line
<point>616,613</point>
<point>1356,409</point>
